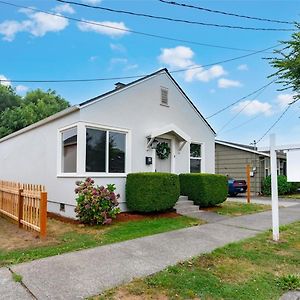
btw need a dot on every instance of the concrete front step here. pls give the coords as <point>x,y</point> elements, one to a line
<point>185,211</point>
<point>184,205</point>
<point>182,198</point>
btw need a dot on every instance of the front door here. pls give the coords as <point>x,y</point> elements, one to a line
<point>163,165</point>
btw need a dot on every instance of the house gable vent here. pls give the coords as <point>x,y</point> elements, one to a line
<point>164,96</point>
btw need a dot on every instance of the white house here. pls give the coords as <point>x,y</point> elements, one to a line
<point>109,136</point>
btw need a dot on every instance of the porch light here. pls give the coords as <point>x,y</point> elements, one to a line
<point>154,144</point>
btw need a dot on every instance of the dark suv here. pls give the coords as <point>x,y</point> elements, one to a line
<point>236,186</point>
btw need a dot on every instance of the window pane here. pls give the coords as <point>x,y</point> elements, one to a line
<point>195,166</point>
<point>95,150</point>
<point>195,150</point>
<point>69,138</point>
<point>116,152</point>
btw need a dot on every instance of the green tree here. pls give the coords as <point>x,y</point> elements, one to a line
<point>8,98</point>
<point>35,106</point>
<point>288,64</point>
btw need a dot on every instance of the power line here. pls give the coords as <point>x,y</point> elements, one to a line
<point>174,19</point>
<point>132,31</point>
<point>240,99</point>
<point>225,13</point>
<point>243,108</point>
<point>192,67</point>
<point>244,123</point>
<point>274,124</point>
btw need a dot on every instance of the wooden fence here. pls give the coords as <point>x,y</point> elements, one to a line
<point>25,204</point>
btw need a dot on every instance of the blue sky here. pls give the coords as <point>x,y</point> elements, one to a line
<point>38,46</point>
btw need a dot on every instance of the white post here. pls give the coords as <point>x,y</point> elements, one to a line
<point>274,188</point>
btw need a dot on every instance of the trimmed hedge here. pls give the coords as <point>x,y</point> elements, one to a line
<point>151,192</point>
<point>284,187</point>
<point>204,189</point>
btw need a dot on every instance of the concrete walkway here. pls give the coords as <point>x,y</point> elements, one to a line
<point>80,274</point>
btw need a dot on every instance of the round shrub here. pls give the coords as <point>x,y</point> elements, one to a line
<point>96,204</point>
<point>284,187</point>
<point>151,192</point>
<point>204,189</point>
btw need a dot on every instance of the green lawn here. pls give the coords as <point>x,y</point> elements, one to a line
<point>18,245</point>
<point>256,268</point>
<point>294,196</point>
<point>234,209</point>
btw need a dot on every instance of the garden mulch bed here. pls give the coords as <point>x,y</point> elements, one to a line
<point>122,217</point>
<point>125,217</point>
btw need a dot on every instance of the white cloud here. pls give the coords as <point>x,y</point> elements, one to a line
<point>243,67</point>
<point>43,23</point>
<point>204,75</point>
<point>21,89</point>
<point>284,100</point>
<point>10,28</point>
<point>117,47</point>
<point>105,28</point>
<point>38,24</point>
<point>64,8</point>
<point>6,82</point>
<point>224,83</point>
<point>182,57</point>
<point>93,2</point>
<point>179,56</point>
<point>253,107</point>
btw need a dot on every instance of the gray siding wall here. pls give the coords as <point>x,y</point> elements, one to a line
<point>233,162</point>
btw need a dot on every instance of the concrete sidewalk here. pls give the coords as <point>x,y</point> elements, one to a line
<point>283,202</point>
<point>80,274</point>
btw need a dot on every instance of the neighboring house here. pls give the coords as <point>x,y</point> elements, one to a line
<point>232,159</point>
<point>109,136</point>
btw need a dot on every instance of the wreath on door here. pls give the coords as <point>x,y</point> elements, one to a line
<point>163,150</point>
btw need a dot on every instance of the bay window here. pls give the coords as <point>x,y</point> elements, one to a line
<point>89,150</point>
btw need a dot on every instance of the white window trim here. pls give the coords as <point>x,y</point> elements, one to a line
<point>202,144</point>
<point>60,150</point>
<point>81,150</point>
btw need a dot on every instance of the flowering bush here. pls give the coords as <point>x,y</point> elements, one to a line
<point>96,204</point>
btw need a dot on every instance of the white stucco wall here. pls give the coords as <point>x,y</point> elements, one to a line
<point>31,157</point>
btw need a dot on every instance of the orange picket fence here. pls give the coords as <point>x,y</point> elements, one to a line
<point>25,204</point>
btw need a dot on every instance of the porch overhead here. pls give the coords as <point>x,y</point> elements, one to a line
<point>181,136</point>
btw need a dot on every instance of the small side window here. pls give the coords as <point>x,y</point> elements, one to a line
<point>164,96</point>
<point>69,149</point>
<point>195,158</point>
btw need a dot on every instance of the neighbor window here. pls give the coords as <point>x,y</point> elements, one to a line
<point>69,139</point>
<point>195,158</point>
<point>105,151</point>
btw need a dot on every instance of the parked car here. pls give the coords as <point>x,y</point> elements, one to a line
<point>236,186</point>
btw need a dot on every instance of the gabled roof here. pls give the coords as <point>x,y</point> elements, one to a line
<point>125,86</point>
<point>95,99</point>
<point>242,147</point>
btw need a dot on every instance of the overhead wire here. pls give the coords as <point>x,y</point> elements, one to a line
<point>173,19</point>
<point>243,108</point>
<point>240,99</point>
<point>274,124</point>
<point>225,13</point>
<point>130,31</point>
